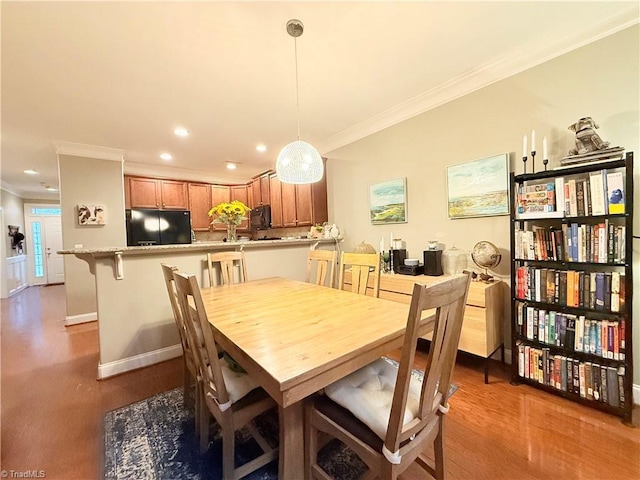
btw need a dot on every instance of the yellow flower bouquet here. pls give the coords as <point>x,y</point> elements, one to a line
<point>229,213</point>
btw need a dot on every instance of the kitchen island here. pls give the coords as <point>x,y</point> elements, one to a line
<point>135,322</point>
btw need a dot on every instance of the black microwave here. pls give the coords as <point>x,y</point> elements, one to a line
<point>261,217</point>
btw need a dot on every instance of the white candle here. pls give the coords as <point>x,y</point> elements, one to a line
<point>391,241</point>
<point>533,140</point>
<point>381,244</point>
<point>524,146</point>
<point>544,149</point>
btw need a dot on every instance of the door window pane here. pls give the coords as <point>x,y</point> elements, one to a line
<point>38,258</point>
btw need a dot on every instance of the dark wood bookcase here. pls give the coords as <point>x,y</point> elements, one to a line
<point>572,294</point>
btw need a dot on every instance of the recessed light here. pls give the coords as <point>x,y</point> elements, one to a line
<point>166,156</point>
<point>52,189</point>
<point>231,166</point>
<point>261,148</point>
<point>181,132</point>
<point>31,172</point>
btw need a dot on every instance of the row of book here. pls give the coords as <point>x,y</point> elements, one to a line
<point>575,242</point>
<point>592,381</point>
<point>599,193</point>
<point>600,291</point>
<point>600,337</point>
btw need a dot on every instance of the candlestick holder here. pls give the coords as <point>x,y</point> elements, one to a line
<point>533,161</point>
<point>524,164</point>
<point>544,162</point>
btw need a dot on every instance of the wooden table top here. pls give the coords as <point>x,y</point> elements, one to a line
<point>296,337</point>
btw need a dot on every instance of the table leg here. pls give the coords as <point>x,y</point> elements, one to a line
<point>291,453</point>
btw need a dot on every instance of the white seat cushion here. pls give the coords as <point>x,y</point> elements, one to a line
<point>368,394</point>
<point>238,384</point>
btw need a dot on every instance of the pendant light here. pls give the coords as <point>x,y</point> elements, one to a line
<point>298,162</point>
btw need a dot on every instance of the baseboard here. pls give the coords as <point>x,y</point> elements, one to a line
<point>110,369</point>
<point>82,318</point>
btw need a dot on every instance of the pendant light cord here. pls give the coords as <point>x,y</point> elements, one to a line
<point>295,49</point>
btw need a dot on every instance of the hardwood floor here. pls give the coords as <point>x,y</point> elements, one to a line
<point>52,409</point>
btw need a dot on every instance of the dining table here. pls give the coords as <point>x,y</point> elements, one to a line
<point>295,338</point>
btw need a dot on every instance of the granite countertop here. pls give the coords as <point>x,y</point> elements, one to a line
<point>198,246</point>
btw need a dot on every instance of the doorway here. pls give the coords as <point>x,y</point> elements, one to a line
<point>44,239</point>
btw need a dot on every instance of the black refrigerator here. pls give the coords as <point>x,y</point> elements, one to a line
<point>158,227</point>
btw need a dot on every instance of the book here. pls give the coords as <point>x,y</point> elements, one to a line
<point>615,192</point>
<point>596,184</point>
<point>613,393</point>
<point>572,211</point>
<point>580,210</point>
<point>559,191</point>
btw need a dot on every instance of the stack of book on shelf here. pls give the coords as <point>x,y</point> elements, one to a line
<point>573,332</point>
<point>598,156</point>
<point>589,380</point>
<point>573,242</point>
<point>600,291</point>
<point>599,192</point>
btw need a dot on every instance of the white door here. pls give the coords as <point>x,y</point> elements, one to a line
<point>53,243</point>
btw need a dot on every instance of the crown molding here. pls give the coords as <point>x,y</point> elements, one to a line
<point>89,151</point>
<point>190,175</point>
<point>480,77</point>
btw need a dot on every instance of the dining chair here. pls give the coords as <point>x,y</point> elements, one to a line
<point>324,261</point>
<point>387,412</point>
<point>363,266</point>
<point>190,373</point>
<point>227,261</point>
<point>233,398</point>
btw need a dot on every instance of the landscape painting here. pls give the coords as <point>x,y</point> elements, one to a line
<point>388,202</point>
<point>479,188</point>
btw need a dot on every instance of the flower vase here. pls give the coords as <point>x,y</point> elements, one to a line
<point>231,232</point>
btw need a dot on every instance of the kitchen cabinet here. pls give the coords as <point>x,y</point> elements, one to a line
<point>275,200</point>
<point>304,205</point>
<point>259,190</point>
<point>200,202</point>
<point>157,193</point>
<point>241,193</point>
<point>219,194</point>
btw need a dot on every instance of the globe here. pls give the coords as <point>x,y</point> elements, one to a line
<point>486,255</point>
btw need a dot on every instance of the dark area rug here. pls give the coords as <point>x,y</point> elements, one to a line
<point>155,439</point>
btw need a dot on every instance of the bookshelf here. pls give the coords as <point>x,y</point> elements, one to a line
<point>572,284</point>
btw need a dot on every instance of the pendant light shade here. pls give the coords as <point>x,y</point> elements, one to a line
<point>298,162</point>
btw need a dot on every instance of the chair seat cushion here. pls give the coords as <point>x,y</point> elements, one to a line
<point>368,394</point>
<point>238,383</point>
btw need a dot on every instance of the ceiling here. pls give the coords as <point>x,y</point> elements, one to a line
<point>124,74</point>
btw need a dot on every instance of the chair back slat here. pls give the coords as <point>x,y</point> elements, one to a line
<point>363,266</point>
<point>448,300</point>
<point>201,336</point>
<point>167,272</point>
<point>325,262</point>
<point>226,262</point>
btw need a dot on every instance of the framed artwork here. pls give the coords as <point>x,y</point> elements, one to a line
<point>91,214</point>
<point>388,202</point>
<point>479,188</point>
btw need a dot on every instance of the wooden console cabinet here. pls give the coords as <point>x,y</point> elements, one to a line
<point>482,327</point>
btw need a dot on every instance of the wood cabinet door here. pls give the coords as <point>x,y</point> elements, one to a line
<point>219,194</point>
<point>199,204</point>
<point>288,204</point>
<point>304,205</point>
<point>174,195</point>
<point>127,192</point>
<point>144,192</point>
<point>275,200</point>
<point>265,194</point>
<point>319,195</point>
<point>241,193</point>
<point>256,192</point>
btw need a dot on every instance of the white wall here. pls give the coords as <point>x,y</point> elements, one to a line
<point>600,80</point>
<point>93,181</point>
